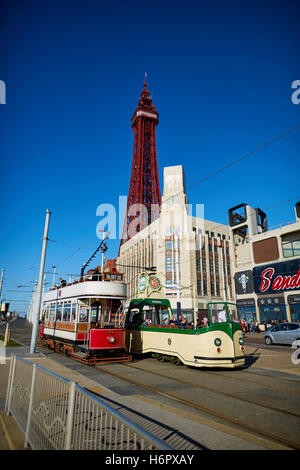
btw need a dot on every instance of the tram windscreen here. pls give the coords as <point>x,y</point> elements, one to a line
<point>157,314</point>
<point>233,313</point>
<point>217,313</point>
<point>221,312</point>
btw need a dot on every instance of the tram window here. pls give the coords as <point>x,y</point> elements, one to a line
<point>153,313</point>
<point>73,315</point>
<point>233,312</point>
<point>58,312</point>
<point>52,313</point>
<point>66,312</point>
<point>217,313</point>
<point>83,314</point>
<point>133,316</point>
<point>47,312</point>
<point>163,314</point>
<point>150,314</point>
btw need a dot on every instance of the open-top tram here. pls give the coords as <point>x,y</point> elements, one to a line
<point>85,317</point>
<point>217,341</point>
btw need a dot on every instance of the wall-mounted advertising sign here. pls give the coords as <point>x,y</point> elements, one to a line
<point>277,277</point>
<point>243,282</point>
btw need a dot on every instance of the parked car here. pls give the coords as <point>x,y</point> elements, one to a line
<point>284,333</point>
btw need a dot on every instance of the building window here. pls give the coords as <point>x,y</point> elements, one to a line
<point>228,270</point>
<point>199,286</point>
<point>171,230</point>
<point>291,245</point>
<point>204,287</point>
<point>217,266</point>
<point>198,265</point>
<point>168,264</point>
<point>168,245</point>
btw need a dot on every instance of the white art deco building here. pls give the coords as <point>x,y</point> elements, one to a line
<point>188,252</point>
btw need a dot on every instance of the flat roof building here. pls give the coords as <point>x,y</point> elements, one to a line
<point>266,265</point>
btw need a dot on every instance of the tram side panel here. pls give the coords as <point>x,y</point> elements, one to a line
<point>107,339</point>
<point>200,348</point>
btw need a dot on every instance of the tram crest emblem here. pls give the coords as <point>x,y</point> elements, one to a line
<point>154,282</point>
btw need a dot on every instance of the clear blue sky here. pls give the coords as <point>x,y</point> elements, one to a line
<point>220,74</point>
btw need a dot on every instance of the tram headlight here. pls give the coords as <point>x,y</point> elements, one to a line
<point>218,342</point>
<point>241,341</point>
<point>111,339</point>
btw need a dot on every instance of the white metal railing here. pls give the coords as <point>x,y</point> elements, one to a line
<point>57,414</point>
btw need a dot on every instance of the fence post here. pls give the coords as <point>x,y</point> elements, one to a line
<point>69,424</point>
<point>10,385</point>
<point>8,381</point>
<point>30,406</point>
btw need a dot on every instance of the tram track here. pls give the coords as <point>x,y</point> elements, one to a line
<point>236,423</point>
<point>185,382</point>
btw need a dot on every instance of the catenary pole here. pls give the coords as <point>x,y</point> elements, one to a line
<point>37,305</point>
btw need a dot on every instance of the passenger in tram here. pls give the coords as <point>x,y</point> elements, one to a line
<point>172,320</point>
<point>146,322</point>
<point>166,321</point>
<point>63,282</point>
<point>205,322</point>
<point>183,323</point>
<point>222,315</point>
<point>179,320</point>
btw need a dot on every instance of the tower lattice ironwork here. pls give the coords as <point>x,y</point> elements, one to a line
<point>144,197</point>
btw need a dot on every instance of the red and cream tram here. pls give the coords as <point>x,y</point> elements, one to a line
<point>85,317</point>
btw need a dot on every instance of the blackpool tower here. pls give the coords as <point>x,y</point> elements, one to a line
<point>144,196</point>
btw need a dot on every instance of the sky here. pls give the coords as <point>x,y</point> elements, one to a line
<point>220,74</point>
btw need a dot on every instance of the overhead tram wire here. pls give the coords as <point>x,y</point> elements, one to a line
<point>243,157</point>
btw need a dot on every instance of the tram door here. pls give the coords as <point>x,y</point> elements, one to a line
<point>96,314</point>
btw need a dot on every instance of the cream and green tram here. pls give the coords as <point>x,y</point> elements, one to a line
<point>218,342</point>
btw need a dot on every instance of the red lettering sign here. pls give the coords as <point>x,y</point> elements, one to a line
<point>279,283</point>
<point>266,281</point>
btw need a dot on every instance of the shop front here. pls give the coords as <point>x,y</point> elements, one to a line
<point>272,309</point>
<point>247,309</point>
<point>294,305</point>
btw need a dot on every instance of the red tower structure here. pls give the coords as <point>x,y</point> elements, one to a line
<point>144,197</point>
